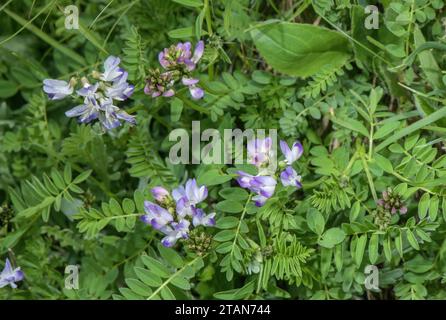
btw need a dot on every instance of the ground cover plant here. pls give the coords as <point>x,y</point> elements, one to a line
<point>116,183</point>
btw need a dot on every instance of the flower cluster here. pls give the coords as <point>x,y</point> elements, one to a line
<point>178,63</point>
<point>260,154</point>
<point>173,215</point>
<point>10,276</point>
<point>392,202</point>
<point>98,98</point>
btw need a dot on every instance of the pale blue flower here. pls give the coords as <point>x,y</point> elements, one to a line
<point>121,89</point>
<point>57,89</point>
<point>259,151</point>
<point>86,112</point>
<point>10,276</point>
<point>111,69</point>
<point>293,154</point>
<point>111,115</point>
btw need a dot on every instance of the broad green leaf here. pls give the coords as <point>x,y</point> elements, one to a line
<point>332,237</point>
<point>300,49</point>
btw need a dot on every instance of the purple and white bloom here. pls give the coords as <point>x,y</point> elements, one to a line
<point>244,179</point>
<point>159,193</point>
<point>155,215</point>
<point>259,200</point>
<point>57,89</point>
<point>86,112</point>
<point>259,151</point>
<point>196,92</point>
<point>292,154</point>
<point>10,276</point>
<point>289,177</point>
<point>194,193</point>
<point>263,185</point>
<point>111,69</point>
<point>184,208</point>
<point>121,89</point>
<point>181,54</point>
<point>200,218</point>
<point>111,115</point>
<point>177,231</point>
<point>88,90</point>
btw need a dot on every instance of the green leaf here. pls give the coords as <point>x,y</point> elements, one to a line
<point>360,249</point>
<point>373,248</point>
<point>7,89</point>
<point>229,206</point>
<point>332,237</point>
<point>234,193</point>
<point>383,163</point>
<point>300,49</point>
<point>423,205</point>
<point>351,124</point>
<point>433,208</point>
<point>439,114</point>
<point>412,240</point>
<point>315,221</point>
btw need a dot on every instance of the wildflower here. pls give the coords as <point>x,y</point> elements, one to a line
<point>174,218</point>
<point>112,114</point>
<point>157,216</point>
<point>199,242</point>
<point>99,97</point>
<point>260,151</point>
<point>200,218</point>
<point>111,69</point>
<point>180,55</point>
<point>293,154</point>
<point>57,89</point>
<point>196,92</point>
<point>289,177</point>
<point>159,84</point>
<point>10,276</point>
<point>160,194</point>
<point>177,231</point>
<point>86,112</point>
<point>179,63</point>
<point>263,186</point>
<point>392,202</point>
<point>120,90</point>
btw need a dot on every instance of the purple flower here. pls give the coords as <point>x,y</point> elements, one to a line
<point>264,185</point>
<point>121,89</point>
<point>181,55</point>
<point>259,151</point>
<point>157,216</point>
<point>159,84</point>
<point>292,154</point>
<point>200,218</point>
<point>259,200</point>
<point>177,231</point>
<point>289,177</point>
<point>160,194</point>
<point>183,207</point>
<point>111,115</point>
<point>196,92</point>
<point>194,193</point>
<point>57,89</point>
<point>86,112</point>
<point>111,69</point>
<point>88,90</point>
<point>10,276</point>
<point>244,179</point>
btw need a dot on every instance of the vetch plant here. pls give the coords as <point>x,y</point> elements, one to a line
<point>271,152</point>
